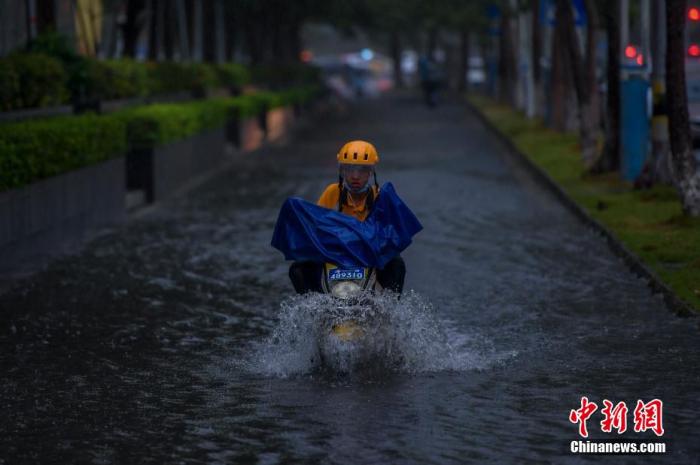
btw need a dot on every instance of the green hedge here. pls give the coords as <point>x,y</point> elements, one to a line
<point>285,76</point>
<point>233,75</point>
<point>37,149</point>
<point>158,124</point>
<point>33,150</point>
<point>124,78</point>
<point>270,99</point>
<point>30,80</point>
<point>9,87</point>
<point>171,77</point>
<point>51,73</point>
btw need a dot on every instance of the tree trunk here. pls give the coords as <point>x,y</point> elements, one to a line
<point>276,38</point>
<point>432,42</point>
<point>209,23</point>
<point>657,168</point>
<point>295,42</point>
<point>196,29</point>
<point>558,82</point>
<point>255,24</point>
<point>536,55</point>
<point>153,29</point>
<point>183,34</point>
<point>219,31</point>
<point>132,26</point>
<point>395,48</point>
<point>168,29</point>
<point>583,77</point>
<point>230,32</point>
<point>45,16</point>
<point>610,156</point>
<point>463,83</point>
<point>506,66</point>
<point>683,165</point>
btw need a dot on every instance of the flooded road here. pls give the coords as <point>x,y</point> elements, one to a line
<point>176,339</point>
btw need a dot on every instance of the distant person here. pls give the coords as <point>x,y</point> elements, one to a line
<point>430,77</point>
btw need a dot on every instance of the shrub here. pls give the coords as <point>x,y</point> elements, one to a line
<point>9,87</point>
<point>40,81</point>
<point>202,77</point>
<point>81,74</point>
<point>33,150</point>
<point>123,78</point>
<point>233,75</point>
<point>282,76</point>
<point>55,45</point>
<point>153,125</point>
<point>166,77</point>
<point>247,106</point>
<point>37,149</point>
<point>171,77</point>
<point>293,96</point>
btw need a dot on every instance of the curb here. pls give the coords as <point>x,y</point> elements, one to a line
<point>675,303</point>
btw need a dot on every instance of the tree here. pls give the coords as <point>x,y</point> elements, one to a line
<point>683,166</point>
<point>468,20</point>
<point>584,76</point>
<point>535,6</point>
<point>507,62</point>
<point>609,159</point>
<point>560,82</point>
<point>135,21</point>
<point>389,19</point>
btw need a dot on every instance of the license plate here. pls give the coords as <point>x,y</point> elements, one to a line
<point>338,274</point>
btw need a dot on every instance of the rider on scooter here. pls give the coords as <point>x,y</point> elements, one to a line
<point>352,195</point>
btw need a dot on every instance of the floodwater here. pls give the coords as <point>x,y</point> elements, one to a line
<point>176,339</point>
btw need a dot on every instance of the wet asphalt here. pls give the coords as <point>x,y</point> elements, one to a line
<point>139,347</point>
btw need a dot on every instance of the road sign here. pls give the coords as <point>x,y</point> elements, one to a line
<point>548,13</point>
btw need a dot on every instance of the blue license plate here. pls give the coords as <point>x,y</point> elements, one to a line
<point>338,274</point>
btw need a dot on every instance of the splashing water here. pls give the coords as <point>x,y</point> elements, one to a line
<point>396,335</point>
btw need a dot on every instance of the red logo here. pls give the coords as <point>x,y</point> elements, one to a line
<point>647,416</point>
<point>615,418</point>
<point>581,415</point>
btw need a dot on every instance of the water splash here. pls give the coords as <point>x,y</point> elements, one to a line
<point>397,335</point>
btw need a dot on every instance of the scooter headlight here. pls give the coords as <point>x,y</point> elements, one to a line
<point>345,289</point>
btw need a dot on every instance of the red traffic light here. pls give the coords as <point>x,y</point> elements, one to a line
<point>630,51</point>
<point>694,50</point>
<point>694,14</point>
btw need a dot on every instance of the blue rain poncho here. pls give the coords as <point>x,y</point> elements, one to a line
<point>308,232</point>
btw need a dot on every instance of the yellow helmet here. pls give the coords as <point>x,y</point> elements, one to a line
<point>358,152</point>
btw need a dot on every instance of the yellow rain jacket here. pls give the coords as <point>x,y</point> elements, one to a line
<point>331,197</point>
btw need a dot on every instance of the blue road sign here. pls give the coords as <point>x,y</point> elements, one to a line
<point>548,13</point>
